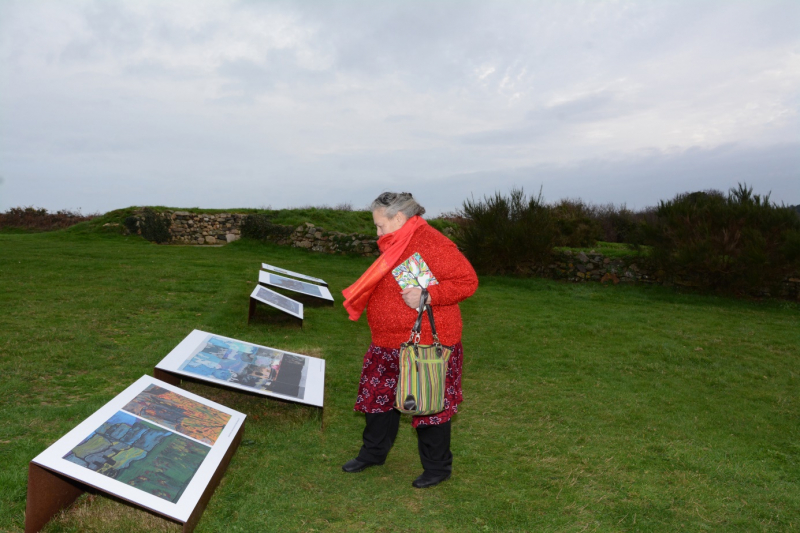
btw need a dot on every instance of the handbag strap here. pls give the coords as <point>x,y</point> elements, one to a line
<point>417,329</point>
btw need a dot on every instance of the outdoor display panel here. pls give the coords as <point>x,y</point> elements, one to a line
<point>249,367</point>
<point>308,289</point>
<point>154,445</point>
<point>285,272</point>
<point>278,301</point>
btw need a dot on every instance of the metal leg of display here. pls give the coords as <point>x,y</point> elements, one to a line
<point>50,492</point>
<point>252,312</point>
<point>168,377</point>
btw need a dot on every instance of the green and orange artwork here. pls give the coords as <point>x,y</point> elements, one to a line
<point>184,415</point>
<point>142,455</point>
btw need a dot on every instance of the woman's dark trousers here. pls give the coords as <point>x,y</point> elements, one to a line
<point>433,442</point>
<point>434,448</point>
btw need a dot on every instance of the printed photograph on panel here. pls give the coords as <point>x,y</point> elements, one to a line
<point>179,413</point>
<point>139,454</point>
<point>249,366</point>
<point>265,266</point>
<point>278,300</point>
<point>292,284</point>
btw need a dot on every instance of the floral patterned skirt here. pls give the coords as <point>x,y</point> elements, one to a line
<point>379,374</point>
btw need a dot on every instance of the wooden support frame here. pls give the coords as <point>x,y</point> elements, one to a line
<point>49,492</point>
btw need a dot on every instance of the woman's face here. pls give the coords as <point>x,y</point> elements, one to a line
<point>386,225</point>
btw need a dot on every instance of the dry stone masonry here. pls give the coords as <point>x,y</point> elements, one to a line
<point>581,267</point>
<point>332,242</point>
<point>194,228</point>
<point>222,228</point>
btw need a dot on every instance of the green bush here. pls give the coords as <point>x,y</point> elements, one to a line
<point>260,226</point>
<point>576,224</point>
<point>620,224</point>
<point>502,234</point>
<point>739,242</point>
<point>155,226</point>
<point>39,219</point>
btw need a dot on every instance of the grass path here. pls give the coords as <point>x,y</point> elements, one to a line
<point>587,408</point>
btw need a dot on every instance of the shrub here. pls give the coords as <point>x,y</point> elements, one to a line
<point>622,225</point>
<point>502,234</point>
<point>575,224</point>
<point>155,226</point>
<point>738,242</point>
<point>259,226</point>
<point>38,219</point>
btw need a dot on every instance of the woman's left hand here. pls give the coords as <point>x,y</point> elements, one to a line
<point>411,296</point>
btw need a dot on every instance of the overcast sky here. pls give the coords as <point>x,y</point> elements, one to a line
<point>106,104</point>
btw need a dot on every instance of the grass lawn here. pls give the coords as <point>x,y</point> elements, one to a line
<point>610,249</point>
<point>587,407</point>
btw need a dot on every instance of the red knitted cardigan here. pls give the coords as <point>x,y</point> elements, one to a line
<point>390,319</point>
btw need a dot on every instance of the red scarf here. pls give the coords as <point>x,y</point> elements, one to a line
<point>391,246</point>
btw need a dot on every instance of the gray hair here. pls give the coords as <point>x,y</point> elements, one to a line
<point>397,202</point>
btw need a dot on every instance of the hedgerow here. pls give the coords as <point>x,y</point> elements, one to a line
<point>740,241</point>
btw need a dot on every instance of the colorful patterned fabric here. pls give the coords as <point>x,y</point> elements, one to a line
<point>392,245</point>
<point>379,374</point>
<point>420,389</point>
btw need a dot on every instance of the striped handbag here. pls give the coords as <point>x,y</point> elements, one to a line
<point>423,369</point>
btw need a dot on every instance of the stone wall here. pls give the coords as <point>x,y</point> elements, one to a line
<point>199,228</point>
<point>222,228</point>
<point>583,267</point>
<point>317,239</point>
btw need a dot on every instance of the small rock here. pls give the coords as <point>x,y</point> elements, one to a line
<point>609,277</point>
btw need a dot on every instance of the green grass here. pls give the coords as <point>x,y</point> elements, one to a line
<point>587,407</point>
<point>611,249</point>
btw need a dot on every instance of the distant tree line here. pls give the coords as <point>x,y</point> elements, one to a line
<point>736,241</point>
<point>39,219</point>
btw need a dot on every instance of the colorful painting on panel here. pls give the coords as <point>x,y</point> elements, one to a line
<point>142,455</point>
<point>249,365</point>
<point>179,413</point>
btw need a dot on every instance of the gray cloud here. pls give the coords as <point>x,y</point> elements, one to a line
<point>284,103</point>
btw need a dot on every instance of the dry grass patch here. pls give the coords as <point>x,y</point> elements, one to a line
<point>97,514</point>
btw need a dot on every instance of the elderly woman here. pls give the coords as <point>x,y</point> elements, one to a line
<point>391,313</point>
